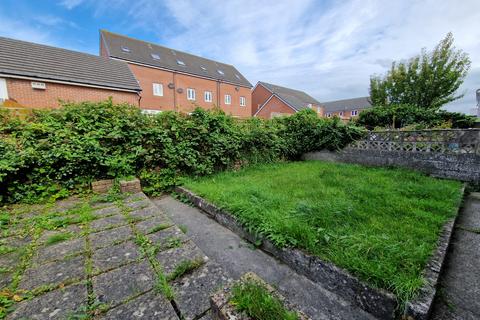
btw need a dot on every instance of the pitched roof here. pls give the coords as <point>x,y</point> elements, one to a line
<point>297,99</point>
<point>126,48</point>
<point>20,58</point>
<point>347,104</point>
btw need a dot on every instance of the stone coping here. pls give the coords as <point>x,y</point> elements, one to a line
<point>221,309</point>
<point>378,302</point>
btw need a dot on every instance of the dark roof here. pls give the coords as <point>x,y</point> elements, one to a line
<point>295,98</point>
<point>347,104</point>
<point>20,58</point>
<point>126,48</point>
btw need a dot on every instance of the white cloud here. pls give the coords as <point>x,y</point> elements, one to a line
<point>71,4</point>
<point>329,51</point>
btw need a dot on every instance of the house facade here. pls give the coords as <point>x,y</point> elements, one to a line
<point>269,101</point>
<point>175,80</point>
<point>346,109</point>
<point>39,76</point>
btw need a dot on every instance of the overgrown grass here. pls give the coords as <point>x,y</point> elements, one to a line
<point>381,224</point>
<point>56,238</point>
<point>185,267</point>
<point>253,299</point>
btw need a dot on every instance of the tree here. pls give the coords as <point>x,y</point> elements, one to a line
<point>428,80</point>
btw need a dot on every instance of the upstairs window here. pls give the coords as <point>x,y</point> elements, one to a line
<point>125,49</point>
<point>329,115</point>
<point>155,56</point>
<point>237,76</point>
<point>340,113</point>
<point>190,94</point>
<point>207,96</point>
<point>203,68</point>
<point>228,99</point>
<point>3,90</point>
<point>354,113</point>
<point>309,106</point>
<point>221,72</point>
<point>158,89</point>
<point>243,102</point>
<point>181,63</point>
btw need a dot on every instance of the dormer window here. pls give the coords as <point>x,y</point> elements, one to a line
<point>221,72</point>
<point>125,49</point>
<point>181,63</point>
<point>155,56</point>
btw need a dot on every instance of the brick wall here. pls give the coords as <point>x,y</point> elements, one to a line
<point>21,90</point>
<point>259,95</point>
<point>173,100</point>
<point>275,107</point>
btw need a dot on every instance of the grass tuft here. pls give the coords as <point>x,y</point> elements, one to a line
<point>381,224</point>
<point>160,227</point>
<point>185,267</point>
<point>56,238</point>
<point>254,300</point>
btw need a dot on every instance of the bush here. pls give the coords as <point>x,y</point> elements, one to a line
<point>405,115</point>
<point>57,150</point>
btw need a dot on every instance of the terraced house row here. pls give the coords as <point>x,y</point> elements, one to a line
<point>150,76</point>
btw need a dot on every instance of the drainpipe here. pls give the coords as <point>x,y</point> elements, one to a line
<point>218,94</point>
<point>174,93</point>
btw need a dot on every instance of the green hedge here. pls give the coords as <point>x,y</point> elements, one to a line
<point>59,150</point>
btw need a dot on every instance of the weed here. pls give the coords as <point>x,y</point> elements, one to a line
<point>160,227</point>
<point>173,242</point>
<point>183,228</point>
<point>255,300</point>
<point>56,238</point>
<point>184,267</point>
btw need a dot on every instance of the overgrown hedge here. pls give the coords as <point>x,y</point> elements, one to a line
<point>59,150</point>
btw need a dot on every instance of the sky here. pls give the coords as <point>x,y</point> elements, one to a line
<point>327,48</point>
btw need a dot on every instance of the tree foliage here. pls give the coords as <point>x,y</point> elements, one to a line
<point>428,80</point>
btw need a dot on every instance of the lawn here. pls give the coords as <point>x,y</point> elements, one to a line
<point>381,224</point>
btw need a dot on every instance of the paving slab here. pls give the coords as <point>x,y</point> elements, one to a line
<point>164,238</point>
<point>5,279</point>
<point>54,273</point>
<point>138,204</point>
<point>237,257</point>
<point>107,211</point>
<point>171,258</point>
<point>146,306</point>
<point>58,251</point>
<point>74,229</point>
<point>145,213</point>
<point>114,256</point>
<point>146,226</point>
<point>109,237</point>
<point>108,222</point>
<point>118,285</point>
<point>56,304</point>
<point>193,290</point>
<point>10,260</point>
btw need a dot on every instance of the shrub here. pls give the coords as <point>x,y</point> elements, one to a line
<point>53,151</point>
<point>403,115</point>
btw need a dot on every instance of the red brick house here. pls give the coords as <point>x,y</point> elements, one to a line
<point>269,101</point>
<point>175,80</point>
<point>346,109</point>
<point>38,76</point>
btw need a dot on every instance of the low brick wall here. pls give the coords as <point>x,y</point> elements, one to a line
<point>130,186</point>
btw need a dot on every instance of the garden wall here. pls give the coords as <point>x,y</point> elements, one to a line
<point>452,153</point>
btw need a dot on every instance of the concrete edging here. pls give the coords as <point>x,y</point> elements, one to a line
<point>378,302</point>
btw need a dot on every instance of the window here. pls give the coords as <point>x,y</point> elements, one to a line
<point>155,56</point>
<point>228,99</point>
<point>3,90</point>
<point>237,76</point>
<point>243,102</point>
<point>319,109</point>
<point>309,106</point>
<point>207,96</point>
<point>340,113</point>
<point>181,63</point>
<point>190,94</point>
<point>158,89</point>
<point>354,113</point>
<point>221,72</point>
<point>329,115</point>
<point>150,112</point>
<point>203,68</point>
<point>125,49</point>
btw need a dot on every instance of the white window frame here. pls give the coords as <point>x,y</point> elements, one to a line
<point>228,99</point>
<point>329,115</point>
<point>208,96</point>
<point>3,89</point>
<point>309,106</point>
<point>243,101</point>
<point>354,113</point>
<point>157,89</point>
<point>340,113</point>
<point>191,94</point>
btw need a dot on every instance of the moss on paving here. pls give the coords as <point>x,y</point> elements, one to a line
<point>381,224</point>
